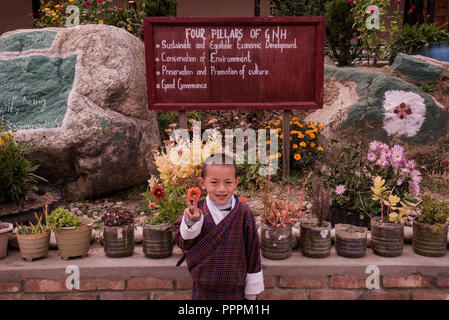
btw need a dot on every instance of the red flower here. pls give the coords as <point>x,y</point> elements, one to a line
<point>30,15</point>
<point>243,200</point>
<point>158,192</point>
<point>100,1</point>
<point>152,205</point>
<point>87,4</point>
<point>413,6</point>
<point>194,192</point>
<point>118,9</point>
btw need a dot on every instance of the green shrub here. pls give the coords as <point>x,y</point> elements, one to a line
<point>298,7</point>
<point>60,218</point>
<point>159,8</point>
<point>410,38</point>
<point>16,172</point>
<point>340,30</point>
<point>250,179</point>
<point>434,211</point>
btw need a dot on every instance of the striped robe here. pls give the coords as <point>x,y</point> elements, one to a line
<point>219,258</point>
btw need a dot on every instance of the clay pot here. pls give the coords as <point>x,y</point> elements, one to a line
<point>5,229</point>
<point>119,241</point>
<point>74,242</point>
<point>276,242</point>
<point>428,240</point>
<point>387,239</point>
<point>350,241</point>
<point>158,240</point>
<point>315,241</point>
<point>34,246</point>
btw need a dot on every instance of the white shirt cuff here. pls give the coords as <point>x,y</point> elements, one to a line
<point>254,283</point>
<point>250,296</point>
<point>192,232</point>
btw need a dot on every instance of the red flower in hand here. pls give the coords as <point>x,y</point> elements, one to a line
<point>158,192</point>
<point>194,192</point>
<point>243,200</point>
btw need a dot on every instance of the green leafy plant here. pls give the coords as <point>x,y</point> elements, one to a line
<point>169,200</point>
<point>410,38</point>
<point>445,75</point>
<point>250,179</point>
<point>34,229</point>
<point>426,86</point>
<point>298,7</point>
<point>340,31</point>
<point>433,211</point>
<point>16,172</point>
<point>62,218</point>
<point>436,161</point>
<point>159,8</point>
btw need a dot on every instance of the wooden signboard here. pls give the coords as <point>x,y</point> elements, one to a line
<point>235,63</point>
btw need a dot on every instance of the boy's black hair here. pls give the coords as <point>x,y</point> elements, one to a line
<point>218,158</point>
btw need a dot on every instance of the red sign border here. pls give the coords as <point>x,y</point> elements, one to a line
<point>149,22</point>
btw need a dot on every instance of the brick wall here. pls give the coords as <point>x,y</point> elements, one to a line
<point>335,287</point>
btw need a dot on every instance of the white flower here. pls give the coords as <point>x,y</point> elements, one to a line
<point>404,112</point>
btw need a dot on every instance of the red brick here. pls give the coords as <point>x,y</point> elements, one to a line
<point>183,284</point>
<point>22,296</point>
<point>172,295</point>
<point>313,283</point>
<point>329,294</point>
<point>430,295</point>
<point>385,295</point>
<point>443,281</point>
<point>283,294</point>
<point>149,283</point>
<point>110,284</point>
<point>269,282</point>
<point>45,286</point>
<point>347,282</point>
<point>124,295</point>
<point>88,285</point>
<point>9,287</point>
<point>72,296</point>
<point>412,281</point>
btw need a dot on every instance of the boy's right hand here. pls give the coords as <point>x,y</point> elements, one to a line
<point>192,211</point>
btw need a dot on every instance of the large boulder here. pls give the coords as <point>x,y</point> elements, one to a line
<point>415,69</point>
<point>78,97</point>
<point>395,109</point>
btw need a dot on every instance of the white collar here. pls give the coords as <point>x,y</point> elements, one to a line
<point>214,208</point>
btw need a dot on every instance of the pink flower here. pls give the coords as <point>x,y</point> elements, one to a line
<point>416,176</point>
<point>400,181</point>
<point>371,157</point>
<point>411,164</point>
<point>381,162</point>
<point>446,163</point>
<point>340,189</point>
<point>351,0</point>
<point>118,9</point>
<point>100,1</point>
<point>87,4</point>
<point>374,145</point>
<point>397,1</point>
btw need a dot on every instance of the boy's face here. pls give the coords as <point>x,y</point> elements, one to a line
<point>220,182</point>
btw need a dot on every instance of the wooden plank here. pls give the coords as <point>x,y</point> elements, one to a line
<point>235,63</point>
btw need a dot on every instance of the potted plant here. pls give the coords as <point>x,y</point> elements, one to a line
<point>276,224</point>
<point>430,228</point>
<point>387,232</point>
<point>118,233</point>
<point>167,203</point>
<point>73,234</point>
<point>350,241</point>
<point>5,229</point>
<point>315,234</point>
<point>34,239</point>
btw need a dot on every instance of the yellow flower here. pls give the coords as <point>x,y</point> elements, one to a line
<point>312,126</point>
<point>279,154</point>
<point>312,145</point>
<point>267,127</point>
<point>281,136</point>
<point>100,21</point>
<point>320,149</point>
<point>53,12</point>
<point>57,6</point>
<point>53,19</point>
<point>303,144</point>
<point>290,138</point>
<point>292,131</point>
<point>297,156</point>
<point>321,126</point>
<point>129,29</point>
<point>46,9</point>
<point>71,1</point>
<point>295,119</point>
<point>291,122</point>
<point>268,142</point>
<point>295,146</point>
<point>1,142</point>
<point>312,136</point>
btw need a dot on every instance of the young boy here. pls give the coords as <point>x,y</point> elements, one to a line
<point>219,238</point>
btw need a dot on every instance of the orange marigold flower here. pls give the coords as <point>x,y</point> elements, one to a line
<point>309,132</point>
<point>295,146</point>
<point>279,129</point>
<point>312,144</point>
<point>321,126</point>
<point>312,136</point>
<point>320,149</point>
<point>303,144</point>
<point>279,155</point>
<point>192,192</point>
<point>267,127</point>
<point>297,157</point>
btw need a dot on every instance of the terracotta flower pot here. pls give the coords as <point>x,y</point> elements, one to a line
<point>350,241</point>
<point>74,242</point>
<point>387,239</point>
<point>33,246</point>
<point>276,242</point>
<point>119,241</point>
<point>315,241</point>
<point>428,241</point>
<point>5,229</point>
<point>158,240</point>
